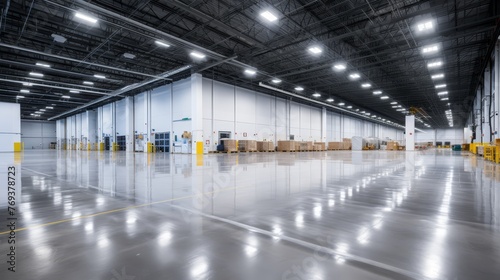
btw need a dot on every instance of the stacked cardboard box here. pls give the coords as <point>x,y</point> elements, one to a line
<point>392,146</point>
<point>247,145</point>
<point>347,144</point>
<point>229,145</point>
<point>265,146</point>
<point>321,146</point>
<point>318,147</point>
<point>286,146</point>
<point>335,146</point>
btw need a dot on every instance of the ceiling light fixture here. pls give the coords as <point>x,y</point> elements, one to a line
<point>377,92</point>
<point>27,84</point>
<point>349,107</point>
<point>367,85</point>
<point>384,97</point>
<point>35,74</point>
<point>434,64</point>
<point>430,49</point>
<point>88,83</point>
<point>340,66</point>
<point>269,16</point>
<point>276,81</point>
<point>24,91</point>
<point>341,104</point>
<point>442,93</point>
<point>162,44</point>
<point>58,38</point>
<point>74,91</point>
<point>444,99</point>
<point>19,96</point>
<point>394,103</point>
<point>315,50</point>
<point>197,55</point>
<point>424,26</point>
<point>437,76</point>
<point>86,18</point>
<point>354,76</point>
<point>441,86</point>
<point>99,76</point>
<point>66,96</point>
<point>299,88</point>
<point>129,55</point>
<point>250,72</point>
<point>49,107</point>
<point>316,94</point>
<point>43,64</point>
<point>329,100</point>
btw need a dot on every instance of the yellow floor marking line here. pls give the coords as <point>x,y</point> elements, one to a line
<point>117,210</point>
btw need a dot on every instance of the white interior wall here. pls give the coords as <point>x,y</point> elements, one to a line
<point>161,117</point>
<point>247,114</point>
<point>182,108</point>
<point>38,134</point>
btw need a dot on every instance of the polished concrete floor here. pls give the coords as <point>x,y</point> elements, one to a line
<point>322,215</point>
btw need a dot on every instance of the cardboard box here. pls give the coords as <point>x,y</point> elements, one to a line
<point>286,146</point>
<point>247,145</point>
<point>318,147</point>
<point>229,145</point>
<point>335,145</point>
<point>265,146</point>
<point>321,146</point>
<point>347,143</point>
<point>392,146</point>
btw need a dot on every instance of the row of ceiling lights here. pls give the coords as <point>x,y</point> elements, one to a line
<point>434,64</point>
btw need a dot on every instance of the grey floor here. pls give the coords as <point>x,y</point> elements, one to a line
<point>322,215</point>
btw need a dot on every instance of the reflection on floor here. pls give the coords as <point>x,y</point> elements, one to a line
<point>322,215</point>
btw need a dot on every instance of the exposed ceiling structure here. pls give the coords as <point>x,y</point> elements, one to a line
<point>381,57</point>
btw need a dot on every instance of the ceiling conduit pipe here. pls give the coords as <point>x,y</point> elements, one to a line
<point>123,90</point>
<point>76,60</point>
<point>342,110</point>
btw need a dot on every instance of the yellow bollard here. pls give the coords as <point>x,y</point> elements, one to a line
<point>18,146</point>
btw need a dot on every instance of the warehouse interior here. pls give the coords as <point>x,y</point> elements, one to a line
<point>256,139</point>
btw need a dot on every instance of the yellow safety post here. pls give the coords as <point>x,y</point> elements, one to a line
<point>18,146</point>
<point>199,148</point>
<point>101,146</point>
<point>115,147</point>
<point>151,147</point>
<point>89,147</point>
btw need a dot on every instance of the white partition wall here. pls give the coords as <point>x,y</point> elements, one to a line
<point>10,131</point>
<point>38,134</point>
<point>206,107</point>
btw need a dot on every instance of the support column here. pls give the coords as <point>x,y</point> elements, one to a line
<point>323,124</point>
<point>410,132</point>
<point>496,95</point>
<point>196,114</point>
<point>129,124</point>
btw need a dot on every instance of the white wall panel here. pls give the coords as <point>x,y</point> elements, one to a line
<point>121,113</point>
<point>38,134</point>
<point>264,111</point>
<point>245,105</point>
<point>207,98</point>
<point>161,117</point>
<point>182,99</point>
<point>315,119</point>
<point>139,113</point>
<point>223,102</point>
<point>107,119</point>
